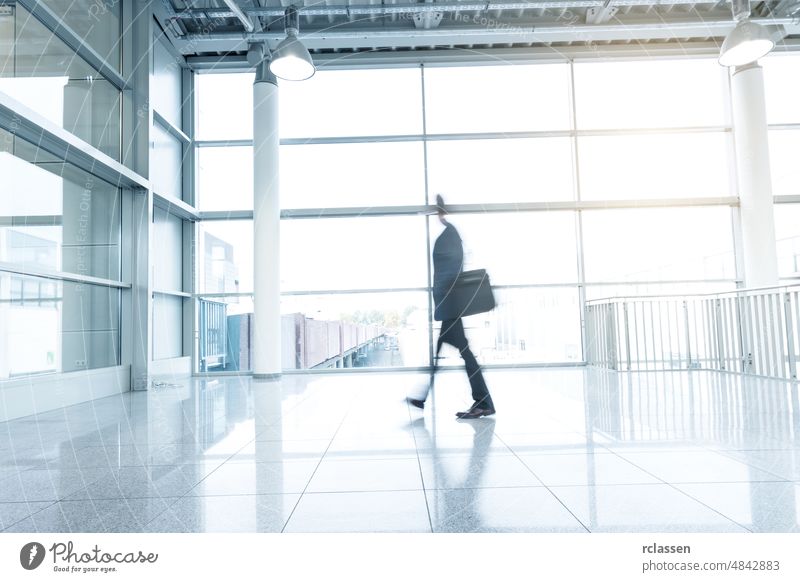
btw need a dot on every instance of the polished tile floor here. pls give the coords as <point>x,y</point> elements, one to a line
<point>570,450</point>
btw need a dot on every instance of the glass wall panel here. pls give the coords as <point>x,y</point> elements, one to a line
<point>372,330</point>
<point>353,253</point>
<point>658,244</point>
<point>500,170</point>
<point>225,106</point>
<point>649,93</point>
<point>225,178</point>
<point>56,217</point>
<point>518,248</point>
<point>354,174</point>
<point>168,332</point>
<point>96,22</point>
<point>527,326</point>
<point>166,87</point>
<point>225,256</point>
<point>787,235</point>
<point>43,73</point>
<point>167,162</point>
<point>56,326</point>
<point>781,87</point>
<point>168,260</point>
<point>653,166</point>
<point>784,146</point>
<point>357,102</point>
<point>497,98</point>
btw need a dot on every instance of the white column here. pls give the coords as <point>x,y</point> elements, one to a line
<point>266,226</point>
<point>753,173</point>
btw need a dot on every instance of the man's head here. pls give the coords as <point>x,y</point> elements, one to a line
<point>441,211</point>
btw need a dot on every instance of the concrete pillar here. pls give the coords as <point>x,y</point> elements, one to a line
<point>266,226</point>
<point>753,176</point>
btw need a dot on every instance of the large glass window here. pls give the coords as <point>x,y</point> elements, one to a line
<point>225,178</point>
<point>353,174</point>
<point>355,330</point>
<point>353,253</point>
<point>225,256</point>
<point>56,326</point>
<point>784,145</point>
<point>360,275</point>
<point>55,216</point>
<point>653,166</point>
<point>497,98</point>
<point>529,325</point>
<point>649,94</point>
<point>787,235</point>
<point>518,248</point>
<point>781,87</point>
<point>225,106</point>
<point>349,103</point>
<point>43,73</point>
<point>658,244</point>
<point>501,170</point>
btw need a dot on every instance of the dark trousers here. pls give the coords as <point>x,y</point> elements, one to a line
<point>452,333</point>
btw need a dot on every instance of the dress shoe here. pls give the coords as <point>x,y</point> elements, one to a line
<point>415,402</point>
<point>475,413</point>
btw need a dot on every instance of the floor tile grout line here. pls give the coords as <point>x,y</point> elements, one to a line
<point>683,492</point>
<point>419,465</point>
<point>178,499</point>
<point>29,515</point>
<point>556,497</point>
<point>314,472</point>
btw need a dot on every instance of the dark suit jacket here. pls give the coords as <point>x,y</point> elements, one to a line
<point>448,259</point>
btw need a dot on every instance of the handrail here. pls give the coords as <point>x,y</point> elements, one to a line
<point>753,331</point>
<point>624,298</point>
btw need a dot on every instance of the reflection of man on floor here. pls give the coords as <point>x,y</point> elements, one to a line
<point>456,506</point>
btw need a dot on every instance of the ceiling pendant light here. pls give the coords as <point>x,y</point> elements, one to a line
<point>746,43</point>
<point>290,59</point>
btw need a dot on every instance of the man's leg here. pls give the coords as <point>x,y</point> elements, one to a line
<point>420,401</point>
<point>480,392</point>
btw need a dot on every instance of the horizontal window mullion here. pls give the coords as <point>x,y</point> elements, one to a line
<point>60,276</point>
<point>172,293</point>
<point>417,210</point>
<point>474,136</point>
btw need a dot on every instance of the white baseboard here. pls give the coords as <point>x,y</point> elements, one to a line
<point>34,394</point>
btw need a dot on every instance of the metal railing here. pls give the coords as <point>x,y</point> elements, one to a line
<point>213,346</point>
<point>753,331</point>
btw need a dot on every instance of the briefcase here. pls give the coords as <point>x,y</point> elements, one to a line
<point>470,294</point>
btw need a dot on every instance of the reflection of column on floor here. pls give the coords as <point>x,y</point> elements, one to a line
<point>268,409</point>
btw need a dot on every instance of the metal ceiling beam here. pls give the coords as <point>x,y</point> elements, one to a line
<point>455,57</point>
<point>410,9</point>
<point>511,33</point>
<point>238,13</point>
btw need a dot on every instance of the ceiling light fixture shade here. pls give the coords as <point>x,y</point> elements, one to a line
<point>290,59</point>
<point>746,43</point>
